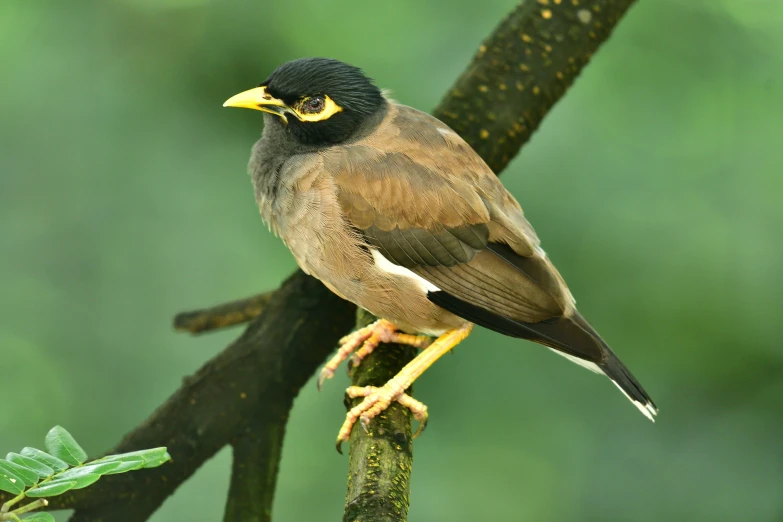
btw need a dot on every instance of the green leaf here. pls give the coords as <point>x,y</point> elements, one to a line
<point>100,468</point>
<point>148,455</point>
<point>10,482</point>
<point>38,517</point>
<point>29,476</point>
<point>51,489</point>
<point>62,445</point>
<point>157,462</point>
<point>129,464</point>
<point>42,469</point>
<point>82,481</point>
<point>44,458</point>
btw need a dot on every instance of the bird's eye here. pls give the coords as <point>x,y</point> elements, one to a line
<point>313,105</point>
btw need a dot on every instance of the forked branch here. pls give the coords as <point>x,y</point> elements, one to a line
<point>243,395</point>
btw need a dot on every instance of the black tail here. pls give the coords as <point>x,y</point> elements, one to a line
<point>571,337</point>
<point>627,383</point>
<point>612,367</point>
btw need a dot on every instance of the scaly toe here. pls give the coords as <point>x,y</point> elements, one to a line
<point>348,344</point>
<point>376,400</point>
<point>369,346</point>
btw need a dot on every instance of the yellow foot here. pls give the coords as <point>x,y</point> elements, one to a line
<point>362,342</point>
<point>375,401</point>
<point>378,399</point>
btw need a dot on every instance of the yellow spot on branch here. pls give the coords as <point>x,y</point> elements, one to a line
<point>484,134</point>
<point>524,67</point>
<point>483,88</point>
<point>526,38</point>
<point>584,16</point>
<point>546,13</point>
<point>243,395</point>
<point>536,90</point>
<point>502,86</point>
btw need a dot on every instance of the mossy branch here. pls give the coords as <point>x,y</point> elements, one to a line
<point>380,457</point>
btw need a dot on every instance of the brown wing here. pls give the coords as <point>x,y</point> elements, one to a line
<point>421,196</point>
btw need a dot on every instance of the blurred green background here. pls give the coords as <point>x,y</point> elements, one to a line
<point>655,185</point>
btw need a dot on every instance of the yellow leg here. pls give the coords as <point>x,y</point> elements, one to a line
<point>364,341</point>
<point>378,399</point>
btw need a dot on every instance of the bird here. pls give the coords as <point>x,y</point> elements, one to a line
<point>392,210</point>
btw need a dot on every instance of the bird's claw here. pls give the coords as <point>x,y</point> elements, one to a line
<point>325,374</point>
<point>361,343</point>
<point>376,400</point>
<point>348,344</point>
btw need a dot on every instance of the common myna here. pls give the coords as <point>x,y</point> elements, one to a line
<point>394,212</point>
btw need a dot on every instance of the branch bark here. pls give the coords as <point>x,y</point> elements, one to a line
<point>523,69</point>
<point>242,396</point>
<point>254,470</point>
<point>379,468</point>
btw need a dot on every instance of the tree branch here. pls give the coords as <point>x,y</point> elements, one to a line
<point>222,315</point>
<point>254,470</point>
<point>519,73</point>
<point>379,469</point>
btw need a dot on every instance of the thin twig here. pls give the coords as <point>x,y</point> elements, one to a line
<point>222,315</point>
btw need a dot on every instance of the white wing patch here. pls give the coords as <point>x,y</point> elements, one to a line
<point>390,268</point>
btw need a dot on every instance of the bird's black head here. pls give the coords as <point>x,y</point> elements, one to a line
<point>319,100</point>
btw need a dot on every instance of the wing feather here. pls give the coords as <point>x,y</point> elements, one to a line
<point>445,216</point>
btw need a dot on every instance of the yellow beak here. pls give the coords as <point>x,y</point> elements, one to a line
<point>260,100</point>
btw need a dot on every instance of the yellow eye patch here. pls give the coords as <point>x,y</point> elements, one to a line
<point>316,108</point>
